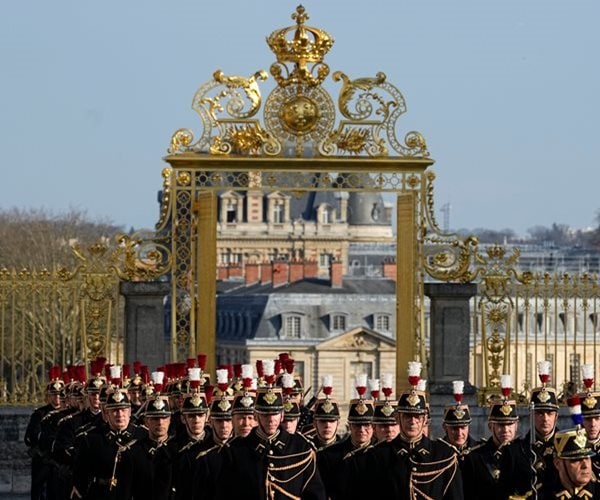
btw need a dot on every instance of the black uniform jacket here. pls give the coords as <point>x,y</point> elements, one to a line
<point>399,469</point>
<point>99,471</point>
<point>482,472</point>
<point>279,468</point>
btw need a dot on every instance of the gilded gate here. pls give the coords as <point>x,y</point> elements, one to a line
<point>306,141</point>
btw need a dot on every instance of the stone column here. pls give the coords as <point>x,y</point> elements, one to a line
<point>450,329</point>
<point>145,338</point>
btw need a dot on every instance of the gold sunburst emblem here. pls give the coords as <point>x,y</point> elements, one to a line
<point>506,409</point>
<point>270,397</point>
<point>327,406</point>
<point>590,401</point>
<point>158,404</point>
<point>580,440</point>
<point>97,383</point>
<point>288,406</point>
<point>361,407</point>
<point>387,409</point>
<point>196,400</point>
<point>543,396</point>
<point>459,413</point>
<point>246,401</point>
<point>118,397</point>
<point>224,405</point>
<point>413,399</point>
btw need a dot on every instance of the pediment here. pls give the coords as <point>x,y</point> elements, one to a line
<point>358,339</point>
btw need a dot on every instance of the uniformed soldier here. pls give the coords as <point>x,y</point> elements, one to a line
<point>194,412</point>
<point>590,410</point>
<point>333,459</point>
<point>411,465</point>
<point>385,424</point>
<point>59,474</point>
<point>323,431</point>
<point>457,419</point>
<point>148,461</point>
<point>572,461</point>
<point>98,470</point>
<point>291,409</point>
<point>270,462</point>
<point>39,467</point>
<point>242,413</point>
<point>482,466</point>
<point>209,460</point>
<point>528,461</point>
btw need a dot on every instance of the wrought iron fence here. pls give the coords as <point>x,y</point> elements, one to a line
<point>521,318</point>
<point>67,316</point>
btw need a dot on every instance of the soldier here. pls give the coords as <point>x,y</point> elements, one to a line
<point>528,461</point>
<point>98,470</point>
<point>39,469</point>
<point>242,414</point>
<point>194,412</point>
<point>590,410</point>
<point>209,460</point>
<point>333,459</point>
<point>384,416</point>
<point>457,419</point>
<point>482,467</point>
<point>572,461</point>
<point>411,465</point>
<point>269,462</point>
<point>63,448</point>
<point>291,409</point>
<point>323,431</point>
<point>148,460</point>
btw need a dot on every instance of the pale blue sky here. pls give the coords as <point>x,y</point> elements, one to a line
<point>505,92</point>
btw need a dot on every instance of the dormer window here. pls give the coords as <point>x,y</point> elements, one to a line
<point>291,327</point>
<point>382,322</point>
<point>338,322</point>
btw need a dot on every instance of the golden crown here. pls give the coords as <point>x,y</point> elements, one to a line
<point>299,45</point>
<point>307,44</point>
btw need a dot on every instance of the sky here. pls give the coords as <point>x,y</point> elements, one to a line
<point>504,91</point>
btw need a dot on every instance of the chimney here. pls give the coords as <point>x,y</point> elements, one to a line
<point>280,273</point>
<point>266,273</point>
<point>222,273</point>
<point>389,269</point>
<point>296,271</point>
<point>252,273</point>
<point>236,271</point>
<point>336,271</point>
<point>311,269</point>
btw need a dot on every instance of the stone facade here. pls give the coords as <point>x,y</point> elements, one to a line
<point>258,227</point>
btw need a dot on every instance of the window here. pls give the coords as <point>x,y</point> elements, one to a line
<point>382,322</point>
<point>231,213</point>
<point>327,215</point>
<point>325,259</point>
<point>278,212</point>
<point>338,322</point>
<point>292,326</point>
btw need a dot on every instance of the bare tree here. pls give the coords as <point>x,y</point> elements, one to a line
<point>38,239</point>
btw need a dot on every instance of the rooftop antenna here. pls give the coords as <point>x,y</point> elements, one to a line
<point>446,220</point>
